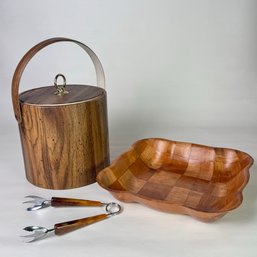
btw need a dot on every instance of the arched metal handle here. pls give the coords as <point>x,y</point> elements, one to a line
<point>29,55</point>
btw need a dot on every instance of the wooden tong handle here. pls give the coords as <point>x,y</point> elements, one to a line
<point>61,202</point>
<point>69,226</point>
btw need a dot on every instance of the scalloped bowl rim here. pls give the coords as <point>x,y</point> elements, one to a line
<point>251,161</point>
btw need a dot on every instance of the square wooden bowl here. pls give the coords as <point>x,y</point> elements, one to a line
<point>202,181</point>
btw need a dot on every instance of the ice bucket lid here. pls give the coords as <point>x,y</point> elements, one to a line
<point>47,95</point>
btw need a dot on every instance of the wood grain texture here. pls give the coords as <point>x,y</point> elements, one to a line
<point>61,202</point>
<point>201,181</point>
<point>64,138</point>
<point>64,146</point>
<point>46,95</point>
<point>69,226</point>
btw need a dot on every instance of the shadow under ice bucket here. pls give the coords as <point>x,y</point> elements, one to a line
<point>63,128</point>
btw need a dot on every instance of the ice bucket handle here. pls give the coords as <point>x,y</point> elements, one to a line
<point>28,56</point>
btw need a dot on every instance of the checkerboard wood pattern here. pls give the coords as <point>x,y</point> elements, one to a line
<point>196,177</point>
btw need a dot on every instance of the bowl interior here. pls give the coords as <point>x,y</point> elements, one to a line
<point>199,177</point>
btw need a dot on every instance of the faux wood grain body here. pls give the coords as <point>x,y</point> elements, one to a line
<point>64,136</point>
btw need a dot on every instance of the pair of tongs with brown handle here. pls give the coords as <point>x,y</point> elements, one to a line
<point>68,226</point>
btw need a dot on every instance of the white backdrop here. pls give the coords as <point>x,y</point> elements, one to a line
<point>167,63</point>
<point>180,69</point>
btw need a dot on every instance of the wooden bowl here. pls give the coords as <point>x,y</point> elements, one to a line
<point>202,181</point>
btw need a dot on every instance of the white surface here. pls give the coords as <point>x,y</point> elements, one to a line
<point>180,69</point>
<point>138,231</point>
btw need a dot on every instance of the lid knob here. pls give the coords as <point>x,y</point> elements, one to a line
<point>60,89</point>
